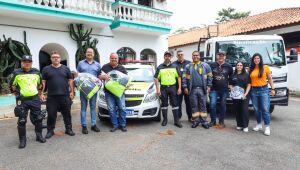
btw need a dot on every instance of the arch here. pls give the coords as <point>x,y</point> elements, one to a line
<point>149,55</point>
<point>45,51</point>
<point>126,53</point>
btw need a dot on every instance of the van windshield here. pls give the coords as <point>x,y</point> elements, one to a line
<point>272,51</point>
<point>141,74</point>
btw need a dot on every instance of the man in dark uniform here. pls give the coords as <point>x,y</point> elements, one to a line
<point>197,82</point>
<point>181,64</point>
<point>27,84</point>
<point>168,77</point>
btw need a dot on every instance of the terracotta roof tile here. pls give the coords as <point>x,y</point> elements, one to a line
<point>267,20</point>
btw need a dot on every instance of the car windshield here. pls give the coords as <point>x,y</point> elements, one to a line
<point>141,74</point>
<point>272,51</point>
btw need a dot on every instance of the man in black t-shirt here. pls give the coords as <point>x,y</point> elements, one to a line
<point>222,73</point>
<point>58,80</point>
<point>112,100</point>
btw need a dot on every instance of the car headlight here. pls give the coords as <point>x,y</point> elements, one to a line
<point>281,92</point>
<point>150,97</point>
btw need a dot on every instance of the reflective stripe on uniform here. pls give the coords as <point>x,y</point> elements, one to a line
<point>174,108</point>
<point>164,107</point>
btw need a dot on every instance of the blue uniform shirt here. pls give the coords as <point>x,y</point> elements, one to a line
<point>84,67</point>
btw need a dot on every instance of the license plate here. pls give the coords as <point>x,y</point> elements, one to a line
<point>129,112</point>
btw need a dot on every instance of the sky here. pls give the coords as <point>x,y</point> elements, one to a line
<point>190,13</point>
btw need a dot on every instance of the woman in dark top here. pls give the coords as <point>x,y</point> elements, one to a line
<point>240,87</point>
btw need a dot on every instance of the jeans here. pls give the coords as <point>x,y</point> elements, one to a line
<point>213,95</point>
<point>261,103</point>
<point>84,104</point>
<point>112,103</point>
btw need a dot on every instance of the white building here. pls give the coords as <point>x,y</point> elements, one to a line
<point>137,29</point>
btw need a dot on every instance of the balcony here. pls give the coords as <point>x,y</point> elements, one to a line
<point>92,12</point>
<point>119,15</point>
<point>134,18</point>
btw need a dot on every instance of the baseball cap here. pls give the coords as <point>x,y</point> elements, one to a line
<point>221,53</point>
<point>26,58</point>
<point>167,52</point>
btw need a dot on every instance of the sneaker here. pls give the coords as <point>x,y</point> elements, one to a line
<point>95,128</point>
<point>239,128</point>
<point>84,130</point>
<point>257,127</point>
<point>69,132</point>
<point>267,131</point>
<point>211,124</point>
<point>245,130</point>
<point>49,134</point>
<point>123,128</point>
<point>113,129</point>
<point>222,125</point>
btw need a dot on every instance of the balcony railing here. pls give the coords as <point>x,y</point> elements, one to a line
<point>120,11</point>
<point>141,14</point>
<point>94,7</point>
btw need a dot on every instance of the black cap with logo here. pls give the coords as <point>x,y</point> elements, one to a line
<point>26,58</point>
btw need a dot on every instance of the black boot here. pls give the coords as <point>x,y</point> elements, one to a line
<point>176,118</point>
<point>38,132</point>
<point>39,137</point>
<point>22,136</point>
<point>69,130</point>
<point>165,117</point>
<point>195,123</point>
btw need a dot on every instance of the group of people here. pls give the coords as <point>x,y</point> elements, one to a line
<point>182,79</point>
<point>29,86</point>
<point>195,81</point>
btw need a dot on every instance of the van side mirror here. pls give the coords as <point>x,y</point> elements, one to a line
<point>293,57</point>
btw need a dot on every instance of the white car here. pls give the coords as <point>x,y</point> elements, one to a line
<point>140,96</point>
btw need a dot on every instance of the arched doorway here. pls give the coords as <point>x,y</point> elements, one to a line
<point>126,53</point>
<point>149,55</point>
<point>44,54</point>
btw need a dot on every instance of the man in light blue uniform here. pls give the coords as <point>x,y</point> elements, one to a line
<point>89,65</point>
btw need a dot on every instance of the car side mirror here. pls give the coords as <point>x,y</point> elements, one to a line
<point>293,57</point>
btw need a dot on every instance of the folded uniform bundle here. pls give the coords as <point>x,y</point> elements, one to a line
<point>117,83</point>
<point>87,84</point>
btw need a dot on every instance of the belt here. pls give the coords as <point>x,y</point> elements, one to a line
<point>168,85</point>
<point>28,98</point>
<point>197,87</point>
<point>260,86</point>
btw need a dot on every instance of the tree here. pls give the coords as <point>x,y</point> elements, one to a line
<point>230,14</point>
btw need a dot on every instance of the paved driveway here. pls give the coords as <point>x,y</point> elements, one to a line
<point>147,145</point>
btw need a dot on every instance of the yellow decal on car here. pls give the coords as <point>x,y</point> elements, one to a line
<point>138,86</point>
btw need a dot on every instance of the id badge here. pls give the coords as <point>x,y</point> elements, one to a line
<point>200,71</point>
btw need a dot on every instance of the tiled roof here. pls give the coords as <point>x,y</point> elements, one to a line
<point>264,21</point>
